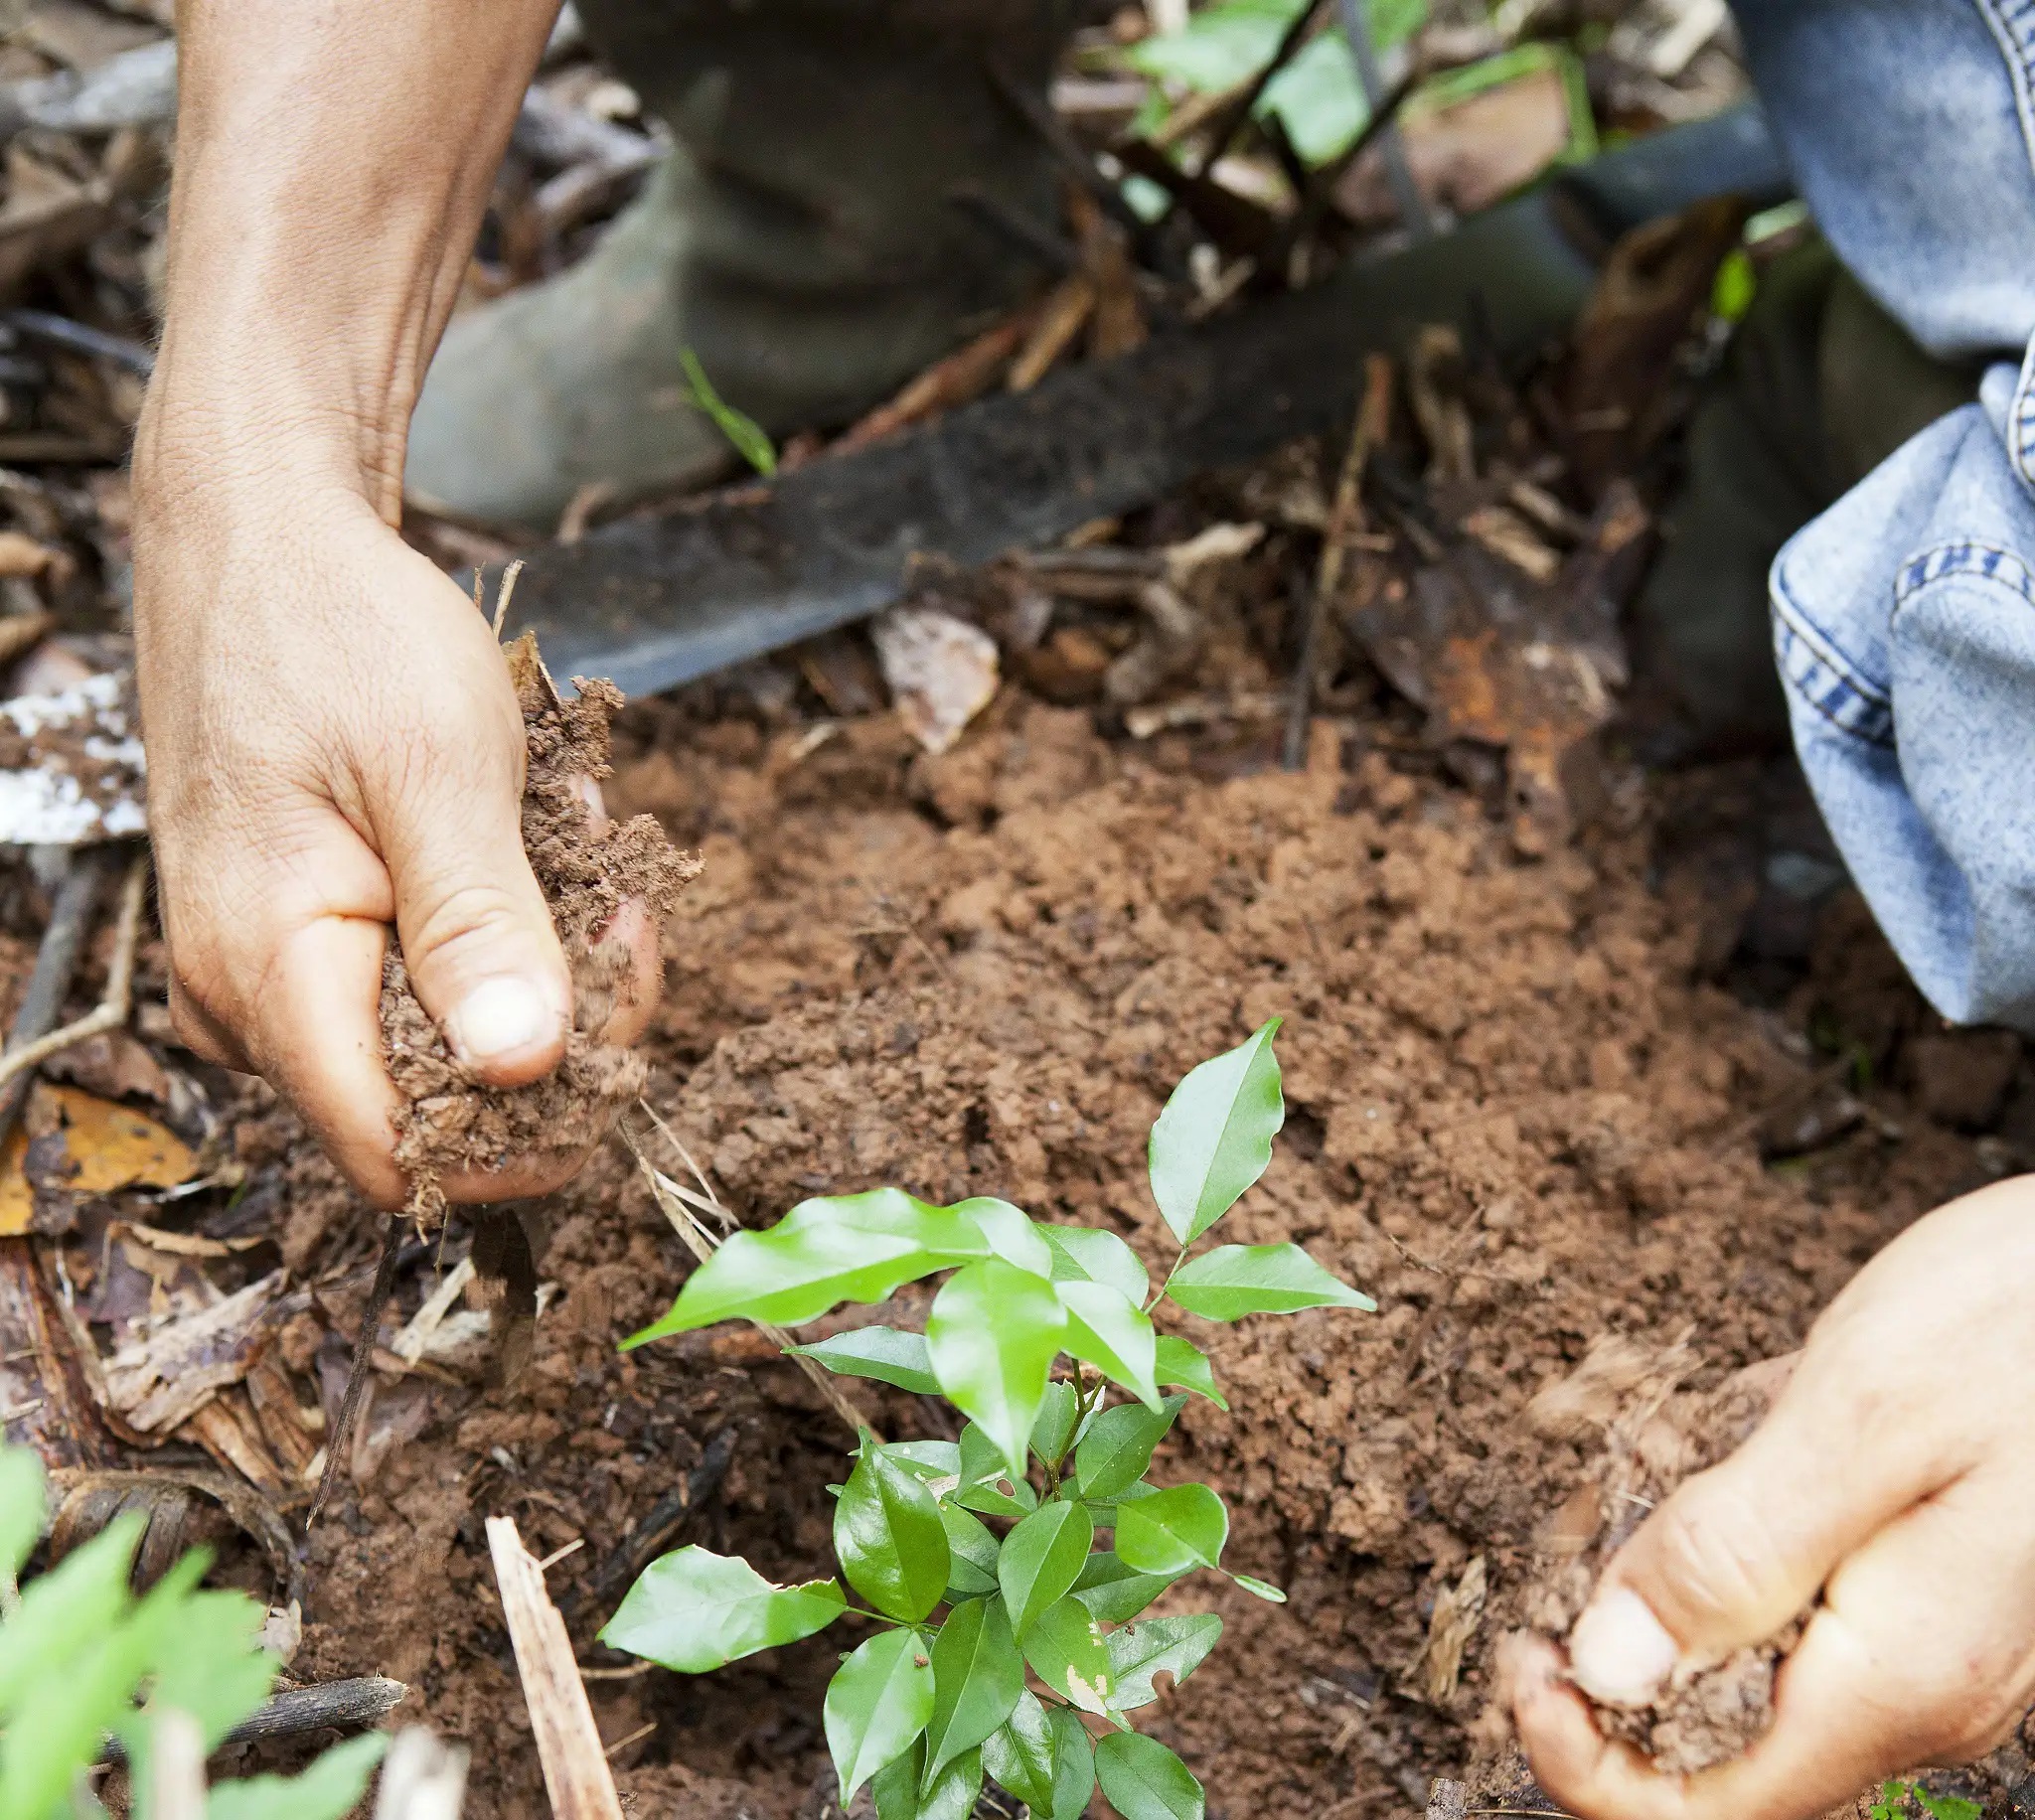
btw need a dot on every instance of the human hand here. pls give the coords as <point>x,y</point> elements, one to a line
<point>1893,1474</point>
<point>333,746</point>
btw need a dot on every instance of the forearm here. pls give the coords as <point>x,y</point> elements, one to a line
<point>332,165</point>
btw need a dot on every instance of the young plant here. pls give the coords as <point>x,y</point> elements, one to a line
<point>1894,1800</point>
<point>1003,1572</point>
<point>82,1659</point>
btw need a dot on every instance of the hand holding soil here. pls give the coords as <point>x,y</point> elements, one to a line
<point>1892,1476</point>
<point>334,746</point>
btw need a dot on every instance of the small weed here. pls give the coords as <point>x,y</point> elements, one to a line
<point>749,438</point>
<point>82,1659</point>
<point>1898,1801</point>
<point>1038,1532</point>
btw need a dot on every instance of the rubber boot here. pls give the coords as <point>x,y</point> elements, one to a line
<point>1818,387</point>
<point>801,240</point>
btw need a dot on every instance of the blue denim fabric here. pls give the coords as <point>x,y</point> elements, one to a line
<point>1903,618</point>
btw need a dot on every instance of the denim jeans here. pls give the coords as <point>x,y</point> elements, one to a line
<point>1904,617</point>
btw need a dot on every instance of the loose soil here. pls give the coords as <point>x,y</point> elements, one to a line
<point>1523,1114</point>
<point>447,1122</point>
<point>1529,1101</point>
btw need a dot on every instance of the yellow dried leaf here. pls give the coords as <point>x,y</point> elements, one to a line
<point>112,1145</point>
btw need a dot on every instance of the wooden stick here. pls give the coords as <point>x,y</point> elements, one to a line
<point>423,1777</point>
<point>577,1774</point>
<point>178,1767</point>
<point>113,1009</point>
<point>55,961</point>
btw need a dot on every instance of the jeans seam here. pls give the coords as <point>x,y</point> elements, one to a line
<point>1969,559</point>
<point>1817,670</point>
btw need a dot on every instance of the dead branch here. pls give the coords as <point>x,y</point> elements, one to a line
<point>55,963</point>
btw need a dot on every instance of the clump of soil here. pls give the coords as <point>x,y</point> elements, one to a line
<point>587,868</point>
<point>1655,1435</point>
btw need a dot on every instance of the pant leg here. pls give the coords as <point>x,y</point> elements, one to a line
<point>820,142</point>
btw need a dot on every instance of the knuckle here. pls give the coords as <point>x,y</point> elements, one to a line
<point>457,919</point>
<point>1716,1551</point>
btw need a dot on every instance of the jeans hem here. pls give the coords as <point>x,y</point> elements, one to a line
<point>1812,666</point>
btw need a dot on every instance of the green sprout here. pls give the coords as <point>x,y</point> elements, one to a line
<point>82,1659</point>
<point>1005,1573</point>
<point>745,432</point>
<point>1896,1798</point>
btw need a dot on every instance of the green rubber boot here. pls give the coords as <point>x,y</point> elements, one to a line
<point>1818,387</point>
<point>801,240</point>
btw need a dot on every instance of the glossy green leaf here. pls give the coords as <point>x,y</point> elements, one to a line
<point>1020,1754</point>
<point>1053,1432</point>
<point>896,1785</point>
<point>978,1675</point>
<point>1144,1780</point>
<point>1012,1233</point>
<point>1073,1765</point>
<point>877,1704</point>
<point>1115,1592</point>
<point>789,1276</point>
<point>1180,1362</point>
<point>890,1213</point>
<point>1117,1449</point>
<point>955,1790</point>
<point>931,1460</point>
<point>1260,1589</point>
<point>1176,1646</point>
<point>1113,1335</point>
<point>694,1610</point>
<point>1214,1137</point>
<point>21,1506</point>
<point>1068,1652</point>
<point>1084,1254</point>
<point>994,1334</point>
<point>1233,1281</point>
<point>973,1570</point>
<point>1041,1559</point>
<point>887,1354</point>
<point>983,1477</point>
<point>1173,1531</point>
<point>330,1789</point>
<point>890,1537</point>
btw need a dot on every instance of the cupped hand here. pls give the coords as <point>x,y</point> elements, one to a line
<point>1895,1474</point>
<point>334,748</point>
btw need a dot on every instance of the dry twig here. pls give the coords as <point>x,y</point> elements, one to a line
<point>1345,522</point>
<point>357,1375</point>
<point>114,1010</point>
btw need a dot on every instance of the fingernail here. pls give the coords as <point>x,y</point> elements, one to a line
<point>1619,1652</point>
<point>500,1019</point>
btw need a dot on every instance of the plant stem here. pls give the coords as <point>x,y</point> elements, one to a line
<point>1159,1294</point>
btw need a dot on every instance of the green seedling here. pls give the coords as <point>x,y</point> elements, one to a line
<point>751,442</point>
<point>83,1660</point>
<point>1900,1800</point>
<point>1004,1575</point>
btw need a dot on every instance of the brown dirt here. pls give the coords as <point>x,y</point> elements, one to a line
<point>1625,1398</point>
<point>447,1122</point>
<point>1520,1116</point>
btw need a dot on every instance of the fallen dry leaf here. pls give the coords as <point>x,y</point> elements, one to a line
<point>157,1383</point>
<point>942,671</point>
<point>1434,1672</point>
<point>112,1147</point>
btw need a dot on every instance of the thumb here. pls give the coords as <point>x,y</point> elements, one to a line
<point>1734,1555</point>
<point>477,937</point>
